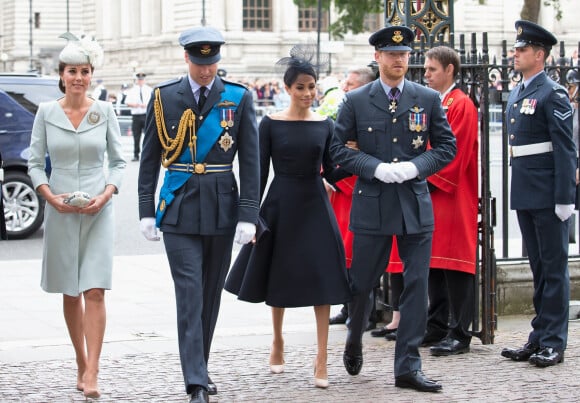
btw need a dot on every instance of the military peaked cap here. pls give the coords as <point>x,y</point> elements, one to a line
<point>202,44</point>
<point>528,33</point>
<point>393,38</point>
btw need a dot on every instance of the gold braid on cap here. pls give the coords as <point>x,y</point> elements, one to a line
<point>169,144</point>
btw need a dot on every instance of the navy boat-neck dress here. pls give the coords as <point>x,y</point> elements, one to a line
<point>298,259</point>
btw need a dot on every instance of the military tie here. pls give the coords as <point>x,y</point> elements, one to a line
<point>394,99</point>
<point>202,98</point>
<point>522,88</point>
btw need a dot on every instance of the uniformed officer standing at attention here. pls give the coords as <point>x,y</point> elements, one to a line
<point>392,120</point>
<point>195,126</point>
<point>543,161</point>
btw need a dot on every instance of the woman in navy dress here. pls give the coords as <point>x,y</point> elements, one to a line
<point>298,257</point>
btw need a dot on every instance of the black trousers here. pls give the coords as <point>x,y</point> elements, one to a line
<point>546,239</point>
<point>199,265</point>
<point>370,252</point>
<point>137,127</point>
<point>451,304</point>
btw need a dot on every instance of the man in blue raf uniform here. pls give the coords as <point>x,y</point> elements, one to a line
<point>392,120</point>
<point>543,161</point>
<point>195,126</point>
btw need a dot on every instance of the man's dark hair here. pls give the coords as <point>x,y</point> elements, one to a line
<point>446,56</point>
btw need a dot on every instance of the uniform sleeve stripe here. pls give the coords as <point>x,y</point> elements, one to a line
<point>562,116</point>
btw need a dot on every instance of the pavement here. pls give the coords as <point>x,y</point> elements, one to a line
<point>140,360</point>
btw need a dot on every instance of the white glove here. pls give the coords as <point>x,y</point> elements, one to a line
<point>404,171</point>
<point>564,211</point>
<point>384,172</point>
<point>148,229</point>
<point>245,232</point>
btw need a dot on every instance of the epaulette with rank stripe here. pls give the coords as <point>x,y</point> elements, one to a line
<point>169,82</point>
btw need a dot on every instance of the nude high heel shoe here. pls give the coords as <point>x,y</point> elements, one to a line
<point>319,382</point>
<point>276,368</point>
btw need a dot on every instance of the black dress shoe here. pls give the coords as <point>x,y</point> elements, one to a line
<point>391,336</point>
<point>211,388</point>
<point>135,159</point>
<point>546,357</point>
<point>353,360</point>
<point>432,339</point>
<point>338,319</point>
<point>199,395</point>
<point>418,381</point>
<point>521,354</point>
<point>382,332</point>
<point>449,346</point>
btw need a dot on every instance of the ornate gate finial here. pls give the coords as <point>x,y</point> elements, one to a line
<point>432,20</point>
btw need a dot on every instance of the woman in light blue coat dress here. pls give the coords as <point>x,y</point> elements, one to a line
<point>81,135</point>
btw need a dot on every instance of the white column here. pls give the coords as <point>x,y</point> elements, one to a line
<point>288,16</point>
<point>131,17</point>
<point>167,16</point>
<point>145,17</point>
<point>109,10</point>
<point>150,21</point>
<point>233,11</point>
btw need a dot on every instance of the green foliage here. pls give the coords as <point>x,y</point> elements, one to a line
<point>351,13</point>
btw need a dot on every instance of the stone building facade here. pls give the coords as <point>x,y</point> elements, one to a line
<point>142,34</point>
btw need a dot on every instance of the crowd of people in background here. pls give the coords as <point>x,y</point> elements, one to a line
<point>269,93</point>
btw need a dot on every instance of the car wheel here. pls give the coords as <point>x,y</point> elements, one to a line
<point>23,208</point>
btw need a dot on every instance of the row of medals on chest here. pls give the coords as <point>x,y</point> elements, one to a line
<point>417,120</point>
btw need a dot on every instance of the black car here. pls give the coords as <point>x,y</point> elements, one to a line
<point>20,95</point>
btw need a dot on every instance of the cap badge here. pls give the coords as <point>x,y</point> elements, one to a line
<point>520,30</point>
<point>205,50</point>
<point>397,37</point>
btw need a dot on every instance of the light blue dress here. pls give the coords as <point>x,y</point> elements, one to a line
<point>78,248</point>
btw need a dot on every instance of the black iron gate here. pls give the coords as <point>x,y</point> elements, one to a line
<point>488,82</point>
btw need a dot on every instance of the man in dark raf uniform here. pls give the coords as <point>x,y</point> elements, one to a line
<point>392,120</point>
<point>543,161</point>
<point>195,126</point>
